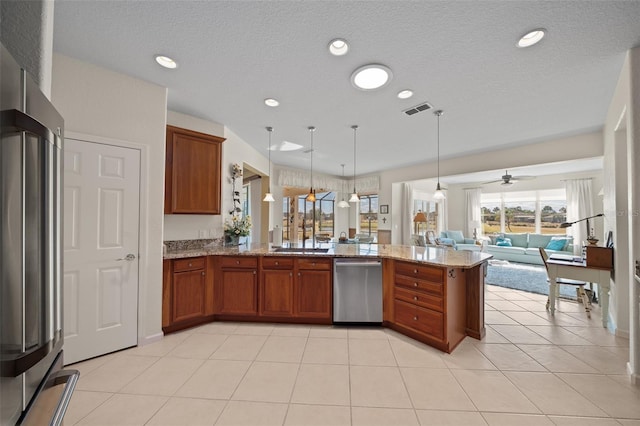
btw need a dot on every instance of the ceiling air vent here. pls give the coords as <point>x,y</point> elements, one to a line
<point>418,108</point>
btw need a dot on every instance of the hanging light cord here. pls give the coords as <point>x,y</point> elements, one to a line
<point>355,129</point>
<point>438,150</point>
<point>269,129</point>
<point>311,129</point>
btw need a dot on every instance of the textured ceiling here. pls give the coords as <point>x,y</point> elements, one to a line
<point>459,56</point>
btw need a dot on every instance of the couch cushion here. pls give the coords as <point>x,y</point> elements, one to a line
<point>506,250</point>
<point>456,236</point>
<point>447,242</point>
<point>517,240</point>
<point>538,240</point>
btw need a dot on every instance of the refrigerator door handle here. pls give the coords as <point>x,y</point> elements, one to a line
<point>18,121</point>
<point>69,378</point>
<point>13,366</point>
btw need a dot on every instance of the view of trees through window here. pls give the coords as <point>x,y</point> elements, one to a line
<point>527,211</point>
<point>310,218</point>
<point>369,214</point>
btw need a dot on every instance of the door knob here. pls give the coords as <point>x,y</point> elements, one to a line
<point>128,257</point>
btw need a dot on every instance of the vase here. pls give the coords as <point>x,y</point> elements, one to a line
<point>231,240</point>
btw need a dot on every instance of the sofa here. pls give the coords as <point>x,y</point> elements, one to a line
<point>513,247</point>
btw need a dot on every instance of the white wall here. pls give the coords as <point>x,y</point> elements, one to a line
<point>622,203</point>
<point>95,101</point>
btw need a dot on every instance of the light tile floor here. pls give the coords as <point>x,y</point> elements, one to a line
<point>531,369</point>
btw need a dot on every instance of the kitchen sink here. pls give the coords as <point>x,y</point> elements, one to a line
<point>300,250</point>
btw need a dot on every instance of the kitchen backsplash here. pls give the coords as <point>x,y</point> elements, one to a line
<point>192,244</point>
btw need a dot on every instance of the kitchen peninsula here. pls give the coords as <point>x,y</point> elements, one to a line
<point>431,294</point>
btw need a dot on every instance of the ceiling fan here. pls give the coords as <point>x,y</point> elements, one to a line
<point>508,179</point>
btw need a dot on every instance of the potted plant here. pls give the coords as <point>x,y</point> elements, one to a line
<point>235,228</point>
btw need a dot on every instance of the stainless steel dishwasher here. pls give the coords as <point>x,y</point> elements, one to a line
<point>357,291</point>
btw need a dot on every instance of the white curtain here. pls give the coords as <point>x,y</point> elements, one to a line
<point>406,214</point>
<point>579,206</point>
<point>443,222</point>
<point>472,211</point>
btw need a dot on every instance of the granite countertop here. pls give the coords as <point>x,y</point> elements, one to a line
<point>438,256</point>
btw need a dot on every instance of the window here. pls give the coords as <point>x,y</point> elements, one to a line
<point>308,219</point>
<point>287,218</point>
<point>369,215</point>
<point>526,211</point>
<point>430,209</point>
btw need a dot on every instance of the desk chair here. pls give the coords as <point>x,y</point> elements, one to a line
<point>582,294</point>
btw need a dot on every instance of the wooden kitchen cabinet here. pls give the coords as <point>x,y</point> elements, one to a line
<point>313,296</point>
<point>237,287</point>
<point>187,293</point>
<point>276,287</point>
<point>429,303</point>
<point>193,172</point>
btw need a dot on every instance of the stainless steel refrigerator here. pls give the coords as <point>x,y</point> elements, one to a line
<point>33,387</point>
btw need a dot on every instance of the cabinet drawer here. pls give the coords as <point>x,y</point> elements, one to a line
<point>188,264</point>
<point>277,262</point>
<point>239,261</point>
<point>423,272</point>
<point>420,319</point>
<point>418,284</point>
<point>419,298</point>
<point>314,263</point>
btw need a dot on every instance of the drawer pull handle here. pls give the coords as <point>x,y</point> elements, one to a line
<point>189,264</point>
<point>254,272</point>
<point>203,274</point>
<point>290,274</point>
<point>237,262</point>
<point>415,271</point>
<point>415,318</point>
<point>415,284</point>
<point>277,263</point>
<point>415,297</point>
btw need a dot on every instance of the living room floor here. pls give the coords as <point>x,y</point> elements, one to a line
<point>531,369</point>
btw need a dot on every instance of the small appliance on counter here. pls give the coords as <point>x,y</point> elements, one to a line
<point>33,387</point>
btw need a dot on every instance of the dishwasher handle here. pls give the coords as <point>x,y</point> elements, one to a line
<point>358,263</point>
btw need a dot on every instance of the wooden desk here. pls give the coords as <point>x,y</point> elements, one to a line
<point>580,271</point>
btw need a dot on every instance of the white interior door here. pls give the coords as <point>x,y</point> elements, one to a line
<point>101,228</point>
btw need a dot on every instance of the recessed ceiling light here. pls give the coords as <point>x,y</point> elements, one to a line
<point>371,76</point>
<point>405,94</point>
<point>166,62</point>
<point>271,102</point>
<point>338,47</point>
<point>531,38</point>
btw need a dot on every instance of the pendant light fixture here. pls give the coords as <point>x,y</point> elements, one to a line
<point>311,197</point>
<point>354,197</point>
<point>268,197</point>
<point>439,194</point>
<point>343,204</point>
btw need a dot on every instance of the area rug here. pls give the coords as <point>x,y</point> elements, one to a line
<point>520,276</point>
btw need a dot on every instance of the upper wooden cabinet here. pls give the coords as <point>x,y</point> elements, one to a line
<point>193,172</point>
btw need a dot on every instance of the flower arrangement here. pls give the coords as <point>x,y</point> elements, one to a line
<point>236,171</point>
<point>238,226</point>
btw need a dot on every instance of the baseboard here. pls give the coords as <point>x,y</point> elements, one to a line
<point>150,339</point>
<point>622,333</point>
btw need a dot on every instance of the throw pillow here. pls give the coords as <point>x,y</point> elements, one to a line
<point>447,242</point>
<point>456,236</point>
<point>518,240</point>
<point>556,244</point>
<point>503,242</point>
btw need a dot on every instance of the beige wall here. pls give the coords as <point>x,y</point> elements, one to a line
<point>105,104</point>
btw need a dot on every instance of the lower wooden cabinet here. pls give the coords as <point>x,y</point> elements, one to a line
<point>187,293</point>
<point>276,287</point>
<point>237,286</point>
<point>314,289</point>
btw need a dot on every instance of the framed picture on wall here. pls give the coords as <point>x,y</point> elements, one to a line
<point>384,209</point>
